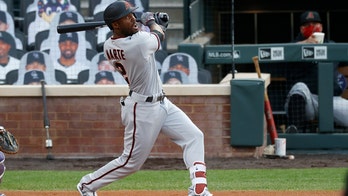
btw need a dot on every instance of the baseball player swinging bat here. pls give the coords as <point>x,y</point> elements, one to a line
<point>267,105</point>
<point>80,27</point>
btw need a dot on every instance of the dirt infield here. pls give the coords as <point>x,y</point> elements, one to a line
<point>178,193</point>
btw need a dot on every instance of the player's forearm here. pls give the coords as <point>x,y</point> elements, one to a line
<point>158,30</point>
<point>157,27</point>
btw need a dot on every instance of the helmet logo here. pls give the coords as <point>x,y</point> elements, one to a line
<point>127,5</point>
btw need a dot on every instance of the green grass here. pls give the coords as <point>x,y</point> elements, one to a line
<point>245,179</point>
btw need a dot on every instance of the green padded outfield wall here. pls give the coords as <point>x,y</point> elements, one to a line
<point>247,112</point>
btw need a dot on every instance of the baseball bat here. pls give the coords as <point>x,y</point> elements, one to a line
<point>46,121</point>
<point>80,27</point>
<point>271,127</point>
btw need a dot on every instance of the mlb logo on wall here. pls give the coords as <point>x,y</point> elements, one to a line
<point>273,54</point>
<point>314,52</point>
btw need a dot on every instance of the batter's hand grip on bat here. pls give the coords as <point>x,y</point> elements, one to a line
<point>79,27</point>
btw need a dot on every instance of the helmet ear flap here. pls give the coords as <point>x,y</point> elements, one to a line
<point>109,24</point>
<point>137,16</point>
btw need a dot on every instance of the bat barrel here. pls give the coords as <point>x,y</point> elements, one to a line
<point>80,27</point>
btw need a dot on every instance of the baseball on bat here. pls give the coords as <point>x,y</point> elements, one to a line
<point>80,27</point>
<point>271,127</point>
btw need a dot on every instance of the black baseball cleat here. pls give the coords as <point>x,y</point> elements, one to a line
<point>291,129</point>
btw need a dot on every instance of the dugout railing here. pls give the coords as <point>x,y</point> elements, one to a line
<point>326,137</point>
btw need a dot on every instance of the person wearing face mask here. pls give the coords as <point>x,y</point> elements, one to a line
<point>310,23</point>
<point>301,104</point>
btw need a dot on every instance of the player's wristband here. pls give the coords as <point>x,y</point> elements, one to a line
<point>159,34</point>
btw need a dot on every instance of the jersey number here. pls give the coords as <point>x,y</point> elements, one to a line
<point>120,68</point>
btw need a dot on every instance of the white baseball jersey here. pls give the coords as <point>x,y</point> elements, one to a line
<point>135,54</point>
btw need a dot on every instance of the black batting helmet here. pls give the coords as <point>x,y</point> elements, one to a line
<point>117,10</point>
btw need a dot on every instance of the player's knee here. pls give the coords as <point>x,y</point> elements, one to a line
<point>199,135</point>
